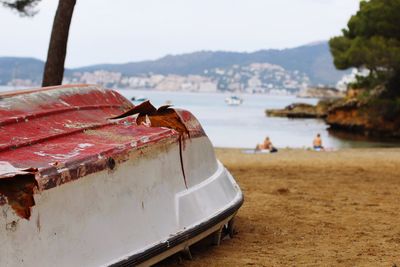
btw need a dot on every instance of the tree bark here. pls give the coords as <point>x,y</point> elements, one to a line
<point>54,67</point>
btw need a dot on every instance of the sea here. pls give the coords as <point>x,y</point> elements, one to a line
<point>246,125</point>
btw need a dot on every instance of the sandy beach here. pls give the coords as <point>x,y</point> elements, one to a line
<point>305,208</point>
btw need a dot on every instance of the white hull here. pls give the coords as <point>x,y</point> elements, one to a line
<point>140,212</point>
<point>233,101</point>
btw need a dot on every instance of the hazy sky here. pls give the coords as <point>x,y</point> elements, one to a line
<point>132,30</point>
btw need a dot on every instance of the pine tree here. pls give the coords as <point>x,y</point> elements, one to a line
<point>54,67</point>
<point>372,41</point>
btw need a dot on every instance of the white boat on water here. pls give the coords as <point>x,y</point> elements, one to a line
<point>89,179</point>
<point>234,100</point>
<point>139,98</point>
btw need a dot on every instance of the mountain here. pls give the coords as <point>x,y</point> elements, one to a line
<point>20,68</point>
<point>314,60</point>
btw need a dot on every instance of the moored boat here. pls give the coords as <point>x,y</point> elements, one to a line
<point>89,179</point>
<point>234,100</point>
<point>139,99</point>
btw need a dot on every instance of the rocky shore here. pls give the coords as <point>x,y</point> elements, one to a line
<point>302,110</point>
<point>362,112</point>
<point>380,118</point>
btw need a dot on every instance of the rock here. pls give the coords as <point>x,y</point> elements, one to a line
<point>302,110</point>
<point>376,117</point>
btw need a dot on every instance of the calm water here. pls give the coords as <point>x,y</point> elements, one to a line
<point>246,125</point>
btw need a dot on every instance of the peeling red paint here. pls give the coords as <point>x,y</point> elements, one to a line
<point>65,133</point>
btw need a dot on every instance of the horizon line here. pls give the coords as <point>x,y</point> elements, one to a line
<point>314,43</point>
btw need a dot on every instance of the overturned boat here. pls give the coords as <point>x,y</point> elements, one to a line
<point>89,179</point>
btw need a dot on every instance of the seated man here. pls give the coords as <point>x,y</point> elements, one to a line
<point>317,143</point>
<point>267,145</point>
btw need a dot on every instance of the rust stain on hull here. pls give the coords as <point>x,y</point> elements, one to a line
<point>18,192</point>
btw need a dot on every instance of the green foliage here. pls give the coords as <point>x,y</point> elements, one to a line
<point>23,7</point>
<point>376,53</point>
<point>375,18</point>
<point>372,41</point>
<point>394,85</point>
<point>364,96</point>
<point>368,82</point>
<point>388,109</point>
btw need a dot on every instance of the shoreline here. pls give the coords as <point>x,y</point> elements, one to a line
<point>310,148</point>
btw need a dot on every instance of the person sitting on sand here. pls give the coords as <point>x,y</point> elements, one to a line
<point>266,145</point>
<point>317,143</point>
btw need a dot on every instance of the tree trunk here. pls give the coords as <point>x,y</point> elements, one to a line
<point>54,68</point>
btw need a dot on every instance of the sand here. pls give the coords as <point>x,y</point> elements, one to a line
<point>305,208</point>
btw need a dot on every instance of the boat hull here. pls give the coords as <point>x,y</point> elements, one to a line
<point>139,212</point>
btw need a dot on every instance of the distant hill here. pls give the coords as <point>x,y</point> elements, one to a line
<point>314,60</point>
<point>20,68</point>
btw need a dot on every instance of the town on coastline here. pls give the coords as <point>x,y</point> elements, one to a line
<point>253,78</point>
